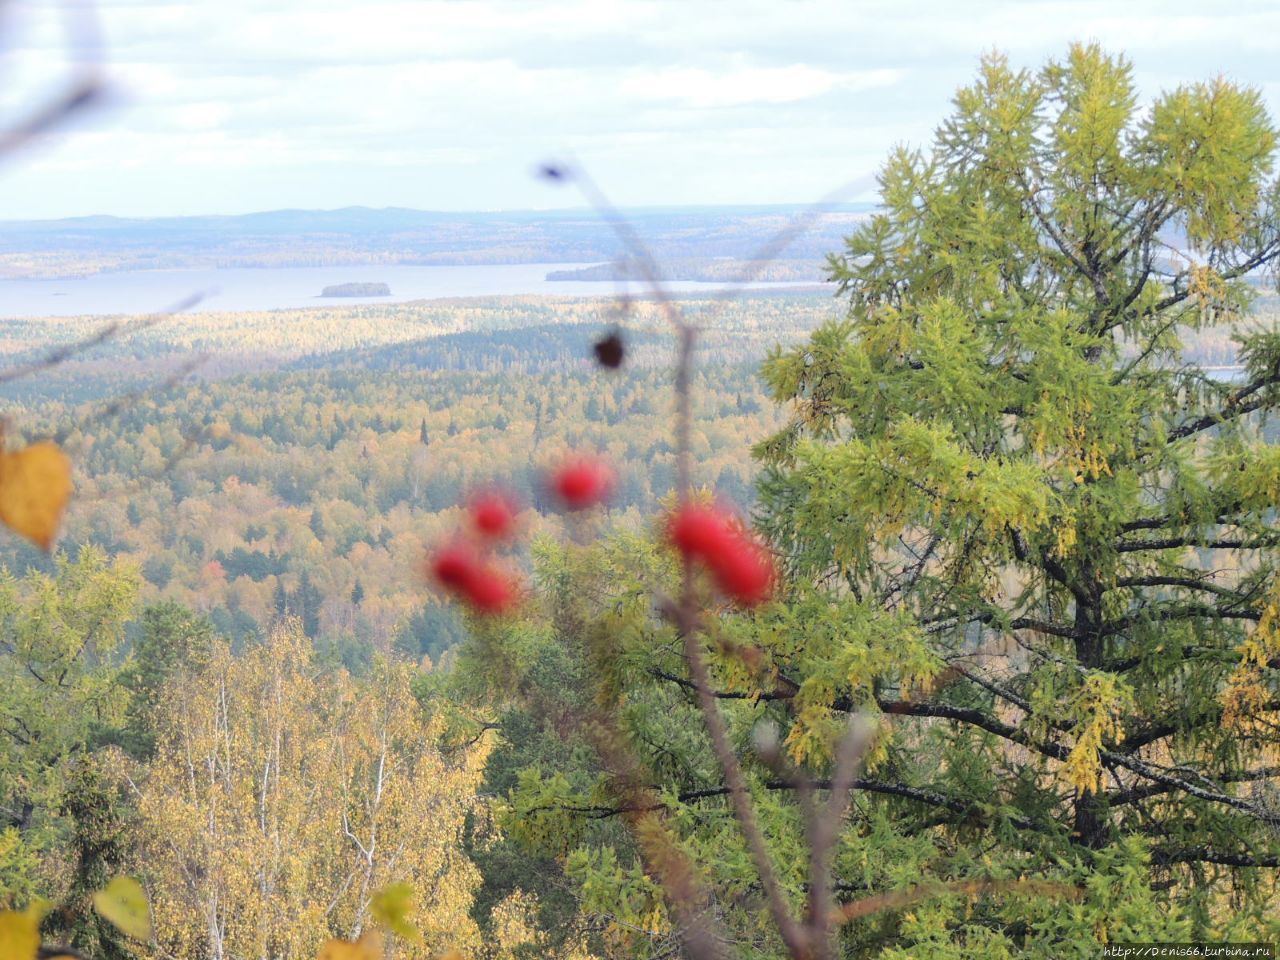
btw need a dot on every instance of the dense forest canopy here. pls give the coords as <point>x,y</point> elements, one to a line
<point>256,494</point>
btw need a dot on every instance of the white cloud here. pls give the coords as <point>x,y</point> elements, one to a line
<point>250,104</point>
<point>700,87</point>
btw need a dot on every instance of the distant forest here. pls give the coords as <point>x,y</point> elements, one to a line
<point>320,451</point>
<point>356,290</point>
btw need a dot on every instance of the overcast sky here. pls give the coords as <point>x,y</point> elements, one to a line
<point>228,106</point>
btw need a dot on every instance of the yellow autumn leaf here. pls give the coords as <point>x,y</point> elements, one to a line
<point>123,904</point>
<point>35,485</point>
<point>20,933</point>
<point>392,907</point>
<point>368,947</point>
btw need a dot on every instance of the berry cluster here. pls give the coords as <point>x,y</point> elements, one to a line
<point>740,566</point>
<point>466,572</point>
<point>464,567</point>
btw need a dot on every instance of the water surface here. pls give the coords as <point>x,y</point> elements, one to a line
<point>243,288</point>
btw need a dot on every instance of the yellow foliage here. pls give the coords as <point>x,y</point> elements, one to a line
<point>368,947</point>
<point>35,485</point>
<point>1064,539</point>
<point>515,925</point>
<point>393,907</point>
<point>20,933</point>
<point>1245,696</point>
<point>1097,706</point>
<point>282,797</point>
<point>1243,699</point>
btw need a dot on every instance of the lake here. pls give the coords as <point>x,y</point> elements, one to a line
<point>240,288</point>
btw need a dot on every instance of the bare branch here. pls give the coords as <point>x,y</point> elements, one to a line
<point>826,828</point>
<point>897,899</point>
<point>1238,404</point>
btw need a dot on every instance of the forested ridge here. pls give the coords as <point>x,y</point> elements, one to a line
<point>357,235</point>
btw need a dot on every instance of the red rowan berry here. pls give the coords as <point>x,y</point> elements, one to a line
<point>453,566</point>
<point>742,568</point>
<point>582,482</point>
<point>492,515</point>
<point>743,571</point>
<point>699,531</point>
<point>490,590</point>
<point>463,573</point>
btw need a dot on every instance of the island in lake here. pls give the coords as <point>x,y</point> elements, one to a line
<point>357,290</point>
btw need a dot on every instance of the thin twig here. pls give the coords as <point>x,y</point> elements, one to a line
<point>83,92</point>
<point>700,932</point>
<point>792,934</point>
<point>850,752</point>
<point>112,330</point>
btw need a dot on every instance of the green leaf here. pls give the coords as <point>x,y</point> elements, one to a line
<point>123,904</point>
<point>392,906</point>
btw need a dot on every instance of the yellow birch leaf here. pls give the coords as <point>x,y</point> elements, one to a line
<point>368,947</point>
<point>123,904</point>
<point>19,934</point>
<point>35,485</point>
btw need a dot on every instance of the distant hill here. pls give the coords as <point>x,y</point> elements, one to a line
<point>359,235</point>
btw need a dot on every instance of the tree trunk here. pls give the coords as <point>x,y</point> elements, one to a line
<point>1090,819</point>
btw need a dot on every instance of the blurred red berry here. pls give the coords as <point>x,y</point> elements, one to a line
<point>463,573</point>
<point>582,482</point>
<point>453,566</point>
<point>743,571</point>
<point>699,531</point>
<point>493,515</point>
<point>742,568</point>
<point>490,590</point>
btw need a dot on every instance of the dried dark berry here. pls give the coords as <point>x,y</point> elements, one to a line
<point>610,351</point>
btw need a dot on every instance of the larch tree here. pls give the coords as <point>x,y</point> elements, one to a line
<point>1005,461</point>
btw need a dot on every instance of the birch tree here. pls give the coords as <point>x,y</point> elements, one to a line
<point>282,796</point>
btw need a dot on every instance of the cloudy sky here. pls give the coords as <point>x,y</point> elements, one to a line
<point>227,106</point>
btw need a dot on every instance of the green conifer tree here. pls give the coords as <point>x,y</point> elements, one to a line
<point>1005,464</point>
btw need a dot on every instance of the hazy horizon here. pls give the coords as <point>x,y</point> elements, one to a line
<point>565,211</point>
<point>245,107</point>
